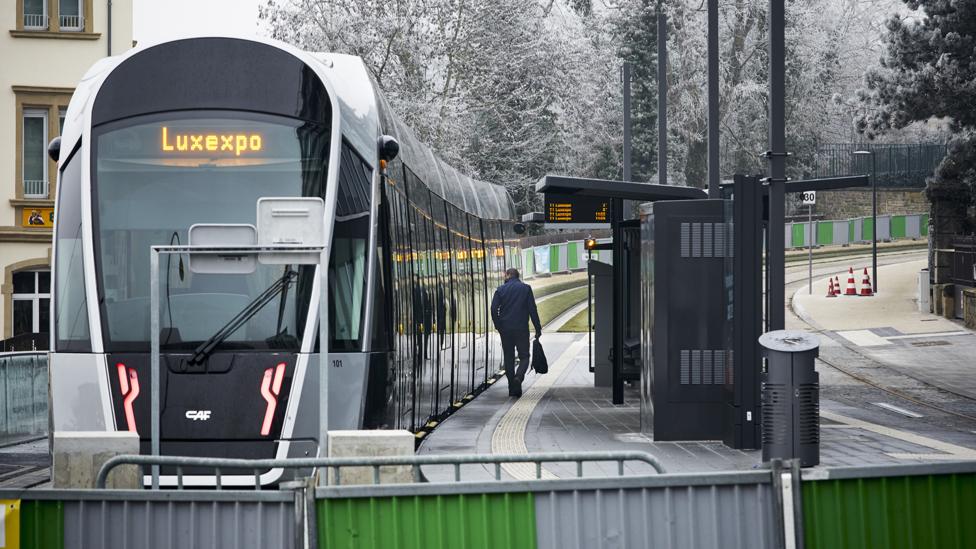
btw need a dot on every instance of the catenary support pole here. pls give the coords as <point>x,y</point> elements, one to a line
<point>662,96</point>
<point>776,156</point>
<point>627,136</point>
<point>713,134</point>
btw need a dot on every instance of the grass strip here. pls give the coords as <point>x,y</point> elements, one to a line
<point>577,324</point>
<point>555,306</point>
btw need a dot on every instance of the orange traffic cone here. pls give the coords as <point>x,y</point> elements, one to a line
<point>866,284</point>
<point>851,289</point>
<point>831,291</point>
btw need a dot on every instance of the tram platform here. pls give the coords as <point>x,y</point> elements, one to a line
<point>563,411</point>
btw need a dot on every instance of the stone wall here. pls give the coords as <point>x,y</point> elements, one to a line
<point>846,204</point>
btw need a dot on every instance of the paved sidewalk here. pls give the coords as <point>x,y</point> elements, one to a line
<point>889,329</point>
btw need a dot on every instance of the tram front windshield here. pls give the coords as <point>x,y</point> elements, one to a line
<point>154,179</point>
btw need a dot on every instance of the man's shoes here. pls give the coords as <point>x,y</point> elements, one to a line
<point>515,388</point>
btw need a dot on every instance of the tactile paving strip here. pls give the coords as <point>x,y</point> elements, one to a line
<point>509,434</point>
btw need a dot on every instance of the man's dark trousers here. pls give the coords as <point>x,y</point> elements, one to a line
<point>512,341</point>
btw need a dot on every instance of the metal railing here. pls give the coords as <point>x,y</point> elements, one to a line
<point>35,21</point>
<point>71,22</point>
<point>257,466</point>
<point>897,165</point>
<point>35,188</point>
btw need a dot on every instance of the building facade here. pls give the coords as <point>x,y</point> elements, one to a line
<point>48,46</point>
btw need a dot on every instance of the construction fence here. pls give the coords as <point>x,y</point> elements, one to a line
<point>856,231</point>
<point>565,257</point>
<point>919,505</point>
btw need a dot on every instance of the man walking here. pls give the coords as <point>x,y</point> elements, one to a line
<point>511,308</point>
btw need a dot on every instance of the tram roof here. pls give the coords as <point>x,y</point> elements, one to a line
<point>479,198</point>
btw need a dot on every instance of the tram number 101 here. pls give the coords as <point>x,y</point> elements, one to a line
<point>337,363</point>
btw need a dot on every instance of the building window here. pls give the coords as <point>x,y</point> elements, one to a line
<point>40,18</point>
<point>40,116</point>
<point>31,311</point>
<point>35,157</point>
<point>35,15</point>
<point>70,17</point>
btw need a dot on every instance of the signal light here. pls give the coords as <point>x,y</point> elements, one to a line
<point>270,389</point>
<point>129,387</point>
<point>589,243</point>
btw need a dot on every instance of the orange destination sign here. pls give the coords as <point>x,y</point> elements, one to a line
<point>236,143</point>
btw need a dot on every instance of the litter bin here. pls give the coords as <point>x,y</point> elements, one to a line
<point>791,397</point>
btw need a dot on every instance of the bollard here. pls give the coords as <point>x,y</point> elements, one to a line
<point>790,397</point>
<point>78,456</point>
<point>371,443</point>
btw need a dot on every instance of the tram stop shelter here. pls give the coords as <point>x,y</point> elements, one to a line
<point>581,203</point>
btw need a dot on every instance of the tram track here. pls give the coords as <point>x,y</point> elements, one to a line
<point>880,376</point>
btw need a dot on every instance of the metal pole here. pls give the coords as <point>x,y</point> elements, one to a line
<point>589,309</point>
<point>713,135</point>
<point>154,359</point>
<point>662,96</point>
<point>874,225</point>
<point>618,293</point>
<point>776,155</point>
<point>810,252</point>
<point>627,135</point>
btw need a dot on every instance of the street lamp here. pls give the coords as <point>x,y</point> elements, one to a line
<point>874,219</point>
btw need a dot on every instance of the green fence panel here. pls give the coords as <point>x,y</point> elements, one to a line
<point>480,521</point>
<point>798,229</point>
<point>850,230</point>
<point>825,233</point>
<point>866,227</point>
<point>897,226</point>
<point>41,524</point>
<point>572,256</point>
<point>554,257</point>
<point>893,512</point>
<point>923,225</point>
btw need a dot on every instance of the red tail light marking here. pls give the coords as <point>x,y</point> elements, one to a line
<point>278,378</point>
<point>123,378</point>
<point>129,387</point>
<point>130,416</point>
<point>270,388</point>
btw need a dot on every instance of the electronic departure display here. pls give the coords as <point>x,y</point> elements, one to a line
<point>565,208</point>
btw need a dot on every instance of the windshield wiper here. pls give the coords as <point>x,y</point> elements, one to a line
<point>207,347</point>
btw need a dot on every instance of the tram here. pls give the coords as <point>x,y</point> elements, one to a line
<point>196,131</point>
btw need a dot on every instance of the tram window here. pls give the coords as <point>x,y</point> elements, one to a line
<point>146,194</point>
<point>347,272</point>
<point>71,322</point>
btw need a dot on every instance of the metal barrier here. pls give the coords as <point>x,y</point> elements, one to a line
<point>918,505</point>
<point>23,395</point>
<point>415,462</point>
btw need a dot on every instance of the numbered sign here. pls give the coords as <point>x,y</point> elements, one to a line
<point>809,198</point>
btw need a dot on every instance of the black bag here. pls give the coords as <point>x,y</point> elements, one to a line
<point>539,362</point>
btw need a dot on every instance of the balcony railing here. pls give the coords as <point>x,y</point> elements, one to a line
<point>35,21</point>
<point>35,188</point>
<point>72,22</point>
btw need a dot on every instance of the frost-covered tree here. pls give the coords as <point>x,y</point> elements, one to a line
<point>929,72</point>
<point>506,90</point>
